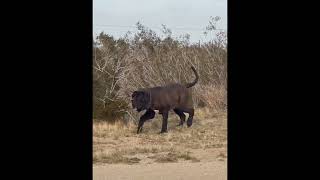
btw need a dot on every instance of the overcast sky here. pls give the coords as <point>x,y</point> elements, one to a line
<point>116,17</point>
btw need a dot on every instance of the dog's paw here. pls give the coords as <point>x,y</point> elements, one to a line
<point>139,130</point>
<point>189,124</point>
<point>180,125</point>
<point>163,131</point>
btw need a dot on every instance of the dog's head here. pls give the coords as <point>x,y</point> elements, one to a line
<point>140,100</point>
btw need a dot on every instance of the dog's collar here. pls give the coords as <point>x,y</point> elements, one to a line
<point>150,99</point>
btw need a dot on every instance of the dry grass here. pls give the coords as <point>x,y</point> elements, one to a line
<point>166,158</point>
<point>114,158</point>
<point>119,143</point>
<point>184,155</point>
<point>174,156</point>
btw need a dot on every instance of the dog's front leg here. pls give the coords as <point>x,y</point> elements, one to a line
<point>165,115</point>
<point>140,125</point>
<point>148,115</point>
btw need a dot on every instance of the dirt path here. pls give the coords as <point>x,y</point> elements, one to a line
<point>216,170</point>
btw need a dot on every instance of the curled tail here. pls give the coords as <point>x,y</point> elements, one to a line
<point>188,85</point>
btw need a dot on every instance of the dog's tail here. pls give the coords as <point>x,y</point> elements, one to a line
<point>188,85</point>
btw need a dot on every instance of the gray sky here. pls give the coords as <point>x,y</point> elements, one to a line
<point>116,17</point>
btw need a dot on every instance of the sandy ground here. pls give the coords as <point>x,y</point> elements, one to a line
<point>216,170</point>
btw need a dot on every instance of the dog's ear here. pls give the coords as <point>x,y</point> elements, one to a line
<point>146,99</point>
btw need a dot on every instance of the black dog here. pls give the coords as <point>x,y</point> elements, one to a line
<point>173,96</point>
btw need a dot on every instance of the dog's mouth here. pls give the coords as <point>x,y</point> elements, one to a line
<point>139,109</point>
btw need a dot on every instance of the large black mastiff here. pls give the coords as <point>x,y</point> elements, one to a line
<point>173,96</point>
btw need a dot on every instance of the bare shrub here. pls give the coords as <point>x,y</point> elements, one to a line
<point>146,60</point>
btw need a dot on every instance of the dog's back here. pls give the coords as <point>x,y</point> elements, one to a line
<point>170,96</point>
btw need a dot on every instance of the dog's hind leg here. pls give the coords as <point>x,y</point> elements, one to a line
<point>181,115</point>
<point>148,115</point>
<point>190,118</point>
<point>190,111</point>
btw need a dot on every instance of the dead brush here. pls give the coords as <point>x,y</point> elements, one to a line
<point>214,97</point>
